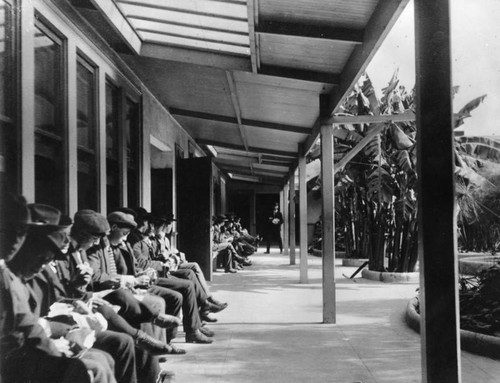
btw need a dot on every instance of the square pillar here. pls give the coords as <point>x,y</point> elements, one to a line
<point>291,220</point>
<point>440,325</point>
<point>328,242</point>
<point>285,209</point>
<point>303,216</point>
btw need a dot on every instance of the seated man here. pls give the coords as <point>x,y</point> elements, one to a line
<point>222,245</point>
<point>131,365</point>
<point>179,267</point>
<point>27,353</point>
<point>136,260</point>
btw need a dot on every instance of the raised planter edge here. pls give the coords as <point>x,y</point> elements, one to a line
<point>480,344</point>
<point>389,277</point>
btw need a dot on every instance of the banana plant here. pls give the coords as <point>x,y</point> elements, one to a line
<point>375,191</point>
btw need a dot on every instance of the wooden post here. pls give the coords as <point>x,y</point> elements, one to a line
<point>436,195</point>
<point>303,216</point>
<point>292,218</point>
<point>285,209</point>
<point>329,298</point>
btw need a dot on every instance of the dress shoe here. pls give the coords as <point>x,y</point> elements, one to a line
<point>212,307</point>
<point>148,343</point>
<point>211,299</point>
<point>266,252</point>
<point>165,376</point>
<point>174,350</point>
<point>246,262</point>
<point>207,332</point>
<point>166,321</point>
<point>205,316</point>
<point>197,337</point>
<point>230,271</point>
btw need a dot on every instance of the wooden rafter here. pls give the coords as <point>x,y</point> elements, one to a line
<point>311,31</point>
<point>236,107</point>
<point>245,122</point>
<point>222,144</point>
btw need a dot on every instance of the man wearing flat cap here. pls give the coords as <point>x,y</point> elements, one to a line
<point>37,357</point>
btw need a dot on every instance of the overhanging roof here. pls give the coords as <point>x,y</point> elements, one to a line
<point>251,78</point>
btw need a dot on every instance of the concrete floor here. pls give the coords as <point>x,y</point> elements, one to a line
<point>272,331</point>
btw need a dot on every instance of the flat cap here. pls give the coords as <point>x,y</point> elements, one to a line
<point>123,219</point>
<point>91,222</point>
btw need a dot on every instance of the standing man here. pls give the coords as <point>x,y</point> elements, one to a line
<point>274,222</point>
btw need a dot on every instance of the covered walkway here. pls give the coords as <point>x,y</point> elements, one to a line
<point>271,332</point>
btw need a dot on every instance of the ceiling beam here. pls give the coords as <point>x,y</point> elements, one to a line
<point>196,56</point>
<point>201,141</point>
<point>311,31</point>
<point>236,107</point>
<point>381,22</point>
<point>253,19</point>
<point>299,74</point>
<point>256,171</point>
<point>367,119</point>
<point>233,120</point>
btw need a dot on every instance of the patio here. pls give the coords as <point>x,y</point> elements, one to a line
<point>271,331</point>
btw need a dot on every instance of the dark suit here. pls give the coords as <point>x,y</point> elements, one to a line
<point>46,289</point>
<point>274,230</point>
<point>143,254</point>
<point>26,353</point>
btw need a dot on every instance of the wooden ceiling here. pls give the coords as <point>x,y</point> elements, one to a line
<point>250,78</point>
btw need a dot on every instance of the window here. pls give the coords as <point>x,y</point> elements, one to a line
<point>50,121</point>
<point>88,190</point>
<point>133,142</point>
<point>113,184</point>
<point>9,133</point>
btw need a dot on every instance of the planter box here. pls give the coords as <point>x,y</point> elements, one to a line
<point>391,277</point>
<point>476,264</point>
<point>481,344</point>
<point>354,262</point>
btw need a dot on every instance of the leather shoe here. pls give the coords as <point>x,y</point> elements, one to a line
<point>165,376</point>
<point>212,307</point>
<point>205,316</point>
<point>197,337</point>
<point>230,271</point>
<point>266,252</point>
<point>166,321</point>
<point>176,350</point>
<point>216,302</point>
<point>207,332</point>
<point>148,343</point>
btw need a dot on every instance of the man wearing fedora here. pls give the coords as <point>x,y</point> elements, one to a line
<point>144,253</point>
<point>26,351</point>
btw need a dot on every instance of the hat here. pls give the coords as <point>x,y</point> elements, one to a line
<point>47,221</point>
<point>169,217</point>
<point>91,222</point>
<point>220,218</point>
<point>122,219</point>
<point>143,214</point>
<point>44,216</point>
<point>127,210</point>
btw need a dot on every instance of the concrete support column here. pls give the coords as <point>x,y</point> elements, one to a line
<point>303,216</point>
<point>292,218</point>
<point>329,298</point>
<point>439,307</point>
<point>286,226</point>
